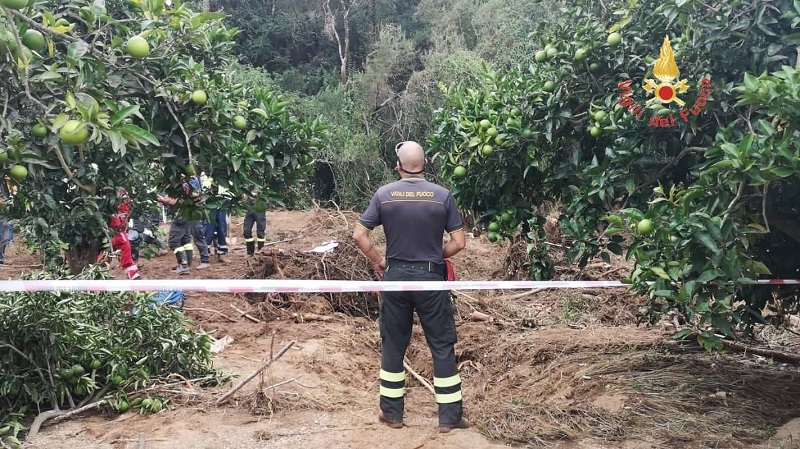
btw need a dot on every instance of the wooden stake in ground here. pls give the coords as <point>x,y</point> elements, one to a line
<point>254,374</point>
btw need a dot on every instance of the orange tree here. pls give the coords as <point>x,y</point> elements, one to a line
<point>133,94</point>
<point>706,175</point>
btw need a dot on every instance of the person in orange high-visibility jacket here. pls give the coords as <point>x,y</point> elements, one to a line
<point>120,241</point>
<point>414,227</point>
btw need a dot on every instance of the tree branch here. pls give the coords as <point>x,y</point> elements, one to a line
<point>36,26</point>
<point>14,349</point>
<point>178,121</point>
<point>735,200</point>
<point>68,171</point>
<point>764,205</point>
<point>669,165</point>
<point>24,77</point>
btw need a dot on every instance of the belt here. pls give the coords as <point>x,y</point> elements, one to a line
<point>430,267</point>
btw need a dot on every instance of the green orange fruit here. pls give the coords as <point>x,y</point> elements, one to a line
<point>33,39</point>
<point>599,116</point>
<point>239,122</point>
<point>74,132</point>
<point>645,226</point>
<point>39,130</point>
<point>199,97</point>
<point>18,172</point>
<point>14,4</point>
<point>137,47</point>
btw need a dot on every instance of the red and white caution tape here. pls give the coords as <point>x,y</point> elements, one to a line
<point>301,285</point>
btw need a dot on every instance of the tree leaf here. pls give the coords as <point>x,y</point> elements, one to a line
<point>706,240</point>
<point>138,133</point>
<point>782,172</point>
<point>660,273</point>
<point>722,324</point>
<point>760,268</point>
<point>709,275</point>
<point>77,49</point>
<point>123,113</point>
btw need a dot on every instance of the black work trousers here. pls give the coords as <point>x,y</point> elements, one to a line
<point>260,220</point>
<point>435,313</point>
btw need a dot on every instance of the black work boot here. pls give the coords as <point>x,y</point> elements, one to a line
<point>251,248</point>
<point>182,266</point>
<point>189,257</point>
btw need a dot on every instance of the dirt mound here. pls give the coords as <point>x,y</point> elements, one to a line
<point>342,262</point>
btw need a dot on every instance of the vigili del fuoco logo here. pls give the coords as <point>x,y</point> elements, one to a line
<point>666,89</point>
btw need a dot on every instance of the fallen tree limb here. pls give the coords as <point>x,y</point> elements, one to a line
<point>416,375</point>
<point>279,384</point>
<point>480,316</point>
<point>246,315</point>
<point>777,355</point>
<point>254,374</point>
<point>302,317</point>
<point>524,294</point>
<point>59,415</point>
<point>199,309</point>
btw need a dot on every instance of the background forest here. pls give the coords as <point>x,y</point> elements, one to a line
<point>399,52</point>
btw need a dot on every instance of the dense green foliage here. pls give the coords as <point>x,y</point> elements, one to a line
<point>59,350</point>
<point>559,133</point>
<point>145,130</point>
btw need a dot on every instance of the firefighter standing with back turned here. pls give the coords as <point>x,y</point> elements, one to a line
<point>414,214</point>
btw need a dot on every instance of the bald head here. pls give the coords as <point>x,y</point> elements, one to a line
<point>411,156</point>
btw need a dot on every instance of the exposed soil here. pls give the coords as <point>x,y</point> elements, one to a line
<point>568,369</point>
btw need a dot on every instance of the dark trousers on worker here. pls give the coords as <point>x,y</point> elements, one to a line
<point>216,230</point>
<point>260,220</point>
<point>435,313</point>
<point>181,234</point>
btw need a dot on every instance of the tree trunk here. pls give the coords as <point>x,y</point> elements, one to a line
<point>373,21</point>
<point>79,258</point>
<point>343,43</point>
<point>206,5</point>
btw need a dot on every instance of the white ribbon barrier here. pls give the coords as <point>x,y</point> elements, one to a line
<point>302,285</point>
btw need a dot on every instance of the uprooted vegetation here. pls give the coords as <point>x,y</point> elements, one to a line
<point>542,365</point>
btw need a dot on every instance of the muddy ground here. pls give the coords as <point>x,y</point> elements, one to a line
<point>568,369</point>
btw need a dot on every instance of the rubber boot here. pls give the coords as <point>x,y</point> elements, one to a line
<point>260,245</point>
<point>251,248</point>
<point>189,257</point>
<point>182,266</point>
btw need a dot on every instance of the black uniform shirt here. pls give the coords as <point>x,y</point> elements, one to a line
<point>415,214</point>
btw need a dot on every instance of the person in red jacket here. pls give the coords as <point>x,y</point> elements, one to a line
<point>120,241</point>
